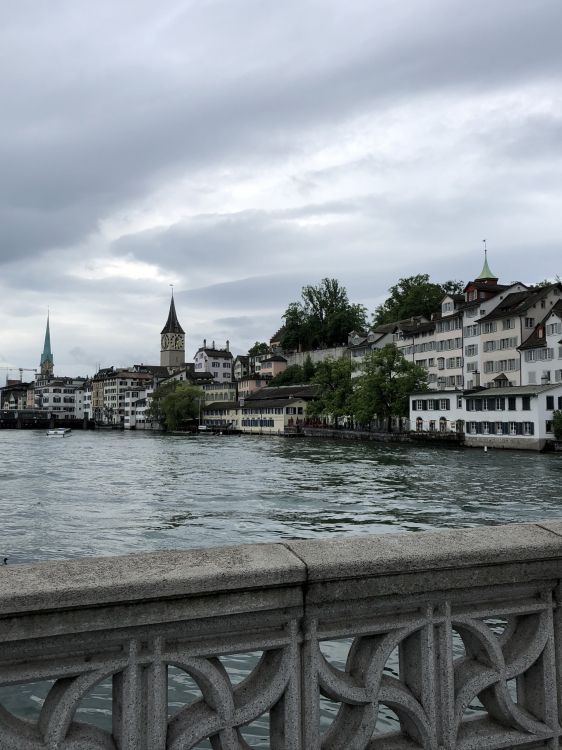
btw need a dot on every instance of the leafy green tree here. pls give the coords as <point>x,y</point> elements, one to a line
<point>308,369</point>
<point>260,347</point>
<point>557,424</point>
<point>175,403</point>
<point>384,388</point>
<point>547,282</point>
<point>335,389</point>
<point>323,317</point>
<point>292,375</point>
<point>295,333</point>
<point>414,295</point>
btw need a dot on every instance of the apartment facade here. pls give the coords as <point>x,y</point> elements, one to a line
<point>541,361</point>
<point>217,362</point>
<point>517,417</point>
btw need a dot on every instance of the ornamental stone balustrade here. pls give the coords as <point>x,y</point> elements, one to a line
<point>469,619</point>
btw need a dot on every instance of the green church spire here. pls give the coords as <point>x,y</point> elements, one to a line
<point>47,355</point>
<point>486,273</point>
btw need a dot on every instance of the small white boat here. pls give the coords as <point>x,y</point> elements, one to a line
<point>59,432</point>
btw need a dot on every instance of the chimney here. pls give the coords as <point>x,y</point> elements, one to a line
<point>227,345</point>
<point>204,343</point>
<point>213,344</point>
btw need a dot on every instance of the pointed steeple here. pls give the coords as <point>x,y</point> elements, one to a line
<point>172,324</point>
<point>486,273</point>
<point>47,355</point>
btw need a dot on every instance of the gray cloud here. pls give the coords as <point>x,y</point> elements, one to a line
<point>393,135</point>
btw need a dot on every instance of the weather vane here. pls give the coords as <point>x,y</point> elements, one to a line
<point>485,248</point>
<point>172,289</point>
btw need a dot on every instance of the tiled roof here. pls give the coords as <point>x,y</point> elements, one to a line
<point>306,390</point>
<point>486,287</point>
<point>534,341</point>
<point>216,353</point>
<point>517,303</point>
<point>214,405</point>
<point>557,309</point>
<point>514,390</point>
<point>269,402</point>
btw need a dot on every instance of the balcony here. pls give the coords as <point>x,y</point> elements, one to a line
<point>467,619</point>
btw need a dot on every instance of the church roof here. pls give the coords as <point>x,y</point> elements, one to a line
<point>47,355</point>
<point>172,324</point>
<point>486,273</point>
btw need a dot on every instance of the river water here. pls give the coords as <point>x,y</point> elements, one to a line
<point>111,493</point>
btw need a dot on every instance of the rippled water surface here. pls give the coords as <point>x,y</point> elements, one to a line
<point>110,493</point>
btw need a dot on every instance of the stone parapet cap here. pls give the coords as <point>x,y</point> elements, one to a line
<point>98,581</point>
<point>390,554</point>
<point>379,559</point>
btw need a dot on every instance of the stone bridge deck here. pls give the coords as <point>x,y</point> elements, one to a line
<point>469,614</point>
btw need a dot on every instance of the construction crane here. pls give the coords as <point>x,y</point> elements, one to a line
<point>20,369</point>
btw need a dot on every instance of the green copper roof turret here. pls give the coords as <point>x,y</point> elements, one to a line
<point>486,273</point>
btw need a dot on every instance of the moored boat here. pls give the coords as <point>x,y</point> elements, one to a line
<point>59,432</point>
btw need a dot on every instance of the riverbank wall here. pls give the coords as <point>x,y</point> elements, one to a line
<point>437,438</point>
<point>470,611</point>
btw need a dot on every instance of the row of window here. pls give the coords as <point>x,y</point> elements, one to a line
<point>447,344</point>
<point>430,404</point>
<point>267,410</point>
<point>497,403</point>
<point>501,428</point>
<point>258,423</point>
<point>502,365</point>
<point>545,377</point>
<point>443,326</point>
<point>499,344</point>
<point>539,355</point>
<point>446,381</point>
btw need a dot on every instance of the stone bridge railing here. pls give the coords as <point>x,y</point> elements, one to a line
<point>455,634</point>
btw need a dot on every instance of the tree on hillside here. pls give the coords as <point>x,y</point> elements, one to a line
<point>334,398</point>
<point>546,282</point>
<point>384,388</point>
<point>308,369</point>
<point>292,375</point>
<point>174,404</point>
<point>414,295</point>
<point>323,317</point>
<point>260,347</point>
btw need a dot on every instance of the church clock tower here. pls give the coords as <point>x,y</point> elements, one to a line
<point>172,340</point>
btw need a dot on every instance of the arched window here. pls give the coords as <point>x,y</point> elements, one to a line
<point>419,424</point>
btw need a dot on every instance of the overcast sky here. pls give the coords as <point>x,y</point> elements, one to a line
<point>240,149</point>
